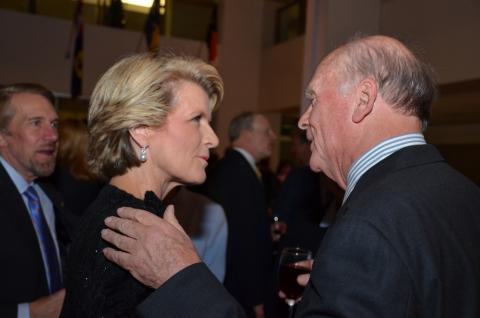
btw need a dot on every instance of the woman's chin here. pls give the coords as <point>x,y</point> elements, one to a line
<point>197,179</point>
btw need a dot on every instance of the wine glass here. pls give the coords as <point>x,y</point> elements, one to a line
<point>289,269</point>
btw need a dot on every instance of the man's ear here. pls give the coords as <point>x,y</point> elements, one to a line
<point>365,96</point>
<point>140,135</point>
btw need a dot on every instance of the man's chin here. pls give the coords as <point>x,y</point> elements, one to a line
<point>44,170</point>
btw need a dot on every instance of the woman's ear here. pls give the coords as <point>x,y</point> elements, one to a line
<point>365,96</point>
<point>140,135</point>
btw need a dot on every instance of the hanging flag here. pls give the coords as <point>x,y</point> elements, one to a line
<point>101,12</point>
<point>115,15</point>
<point>77,61</point>
<point>212,37</point>
<point>32,6</point>
<point>152,27</point>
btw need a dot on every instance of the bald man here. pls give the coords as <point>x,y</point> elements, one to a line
<point>405,241</point>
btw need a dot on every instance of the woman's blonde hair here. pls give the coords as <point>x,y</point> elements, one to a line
<point>139,91</point>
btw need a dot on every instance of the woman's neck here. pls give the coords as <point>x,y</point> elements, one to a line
<point>136,181</point>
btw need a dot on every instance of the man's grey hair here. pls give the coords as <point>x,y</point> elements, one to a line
<point>239,123</point>
<point>403,80</point>
<point>8,91</point>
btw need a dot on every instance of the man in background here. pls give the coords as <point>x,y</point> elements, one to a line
<point>236,184</point>
<point>302,199</point>
<point>33,228</point>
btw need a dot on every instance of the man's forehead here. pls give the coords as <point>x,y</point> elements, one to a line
<point>315,83</point>
<point>324,77</point>
<point>260,120</point>
<point>327,68</point>
<point>28,103</point>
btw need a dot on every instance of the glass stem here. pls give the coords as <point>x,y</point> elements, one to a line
<point>290,311</point>
<point>291,305</point>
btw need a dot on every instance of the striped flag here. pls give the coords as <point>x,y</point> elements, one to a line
<point>152,27</point>
<point>212,38</point>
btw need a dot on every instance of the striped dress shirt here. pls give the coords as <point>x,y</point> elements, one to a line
<point>377,154</point>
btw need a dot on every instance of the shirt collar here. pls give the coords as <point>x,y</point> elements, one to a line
<point>17,179</point>
<point>377,154</point>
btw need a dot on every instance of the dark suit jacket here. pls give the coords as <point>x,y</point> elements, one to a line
<point>405,244</point>
<point>193,292</point>
<point>236,187</point>
<point>21,269</point>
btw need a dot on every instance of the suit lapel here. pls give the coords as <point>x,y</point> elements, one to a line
<point>14,211</point>
<point>407,157</point>
<point>15,220</point>
<point>237,156</point>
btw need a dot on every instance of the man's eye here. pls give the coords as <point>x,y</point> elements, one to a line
<point>54,124</point>
<point>36,123</point>
<point>197,118</point>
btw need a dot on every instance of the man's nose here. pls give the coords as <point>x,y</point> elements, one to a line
<point>303,121</point>
<point>50,133</point>
<point>273,136</point>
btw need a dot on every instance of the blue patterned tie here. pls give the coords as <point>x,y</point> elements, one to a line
<point>46,240</point>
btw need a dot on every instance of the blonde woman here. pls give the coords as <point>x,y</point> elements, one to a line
<point>149,132</point>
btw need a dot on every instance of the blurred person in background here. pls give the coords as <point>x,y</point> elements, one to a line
<point>205,223</point>
<point>35,227</point>
<point>236,183</point>
<point>72,176</point>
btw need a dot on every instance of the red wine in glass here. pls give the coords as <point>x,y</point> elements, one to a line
<point>288,280</point>
<point>289,269</point>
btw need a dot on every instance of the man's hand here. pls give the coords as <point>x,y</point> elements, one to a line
<point>49,306</point>
<point>152,249</point>
<point>304,278</point>
<point>259,312</point>
<point>277,229</point>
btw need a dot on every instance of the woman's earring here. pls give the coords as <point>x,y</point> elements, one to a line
<point>143,154</point>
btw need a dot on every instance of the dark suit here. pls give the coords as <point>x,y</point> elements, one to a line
<point>237,188</point>
<point>405,244</point>
<point>21,268</point>
<point>299,205</point>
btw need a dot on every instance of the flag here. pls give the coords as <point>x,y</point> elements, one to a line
<point>77,61</point>
<point>115,15</point>
<point>152,26</point>
<point>32,6</point>
<point>212,37</point>
<point>101,12</point>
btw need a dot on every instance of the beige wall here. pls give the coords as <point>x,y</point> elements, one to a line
<point>239,61</point>
<point>258,75</point>
<point>447,31</point>
<point>35,51</point>
<point>281,76</point>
